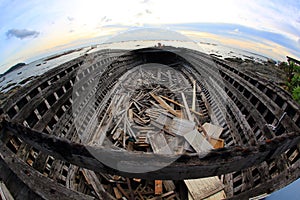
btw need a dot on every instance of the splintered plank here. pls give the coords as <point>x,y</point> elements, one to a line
<point>158,143</point>
<point>197,141</point>
<point>204,187</point>
<point>158,187</point>
<point>164,104</point>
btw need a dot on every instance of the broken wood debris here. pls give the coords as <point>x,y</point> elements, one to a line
<point>131,188</point>
<point>154,119</point>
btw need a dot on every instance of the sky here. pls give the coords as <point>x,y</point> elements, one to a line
<point>34,28</point>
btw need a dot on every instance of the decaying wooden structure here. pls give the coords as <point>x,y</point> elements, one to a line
<point>109,104</point>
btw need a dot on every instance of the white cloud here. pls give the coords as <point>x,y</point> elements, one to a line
<point>92,16</point>
<point>21,33</point>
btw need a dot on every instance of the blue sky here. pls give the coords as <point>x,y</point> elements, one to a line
<point>31,29</point>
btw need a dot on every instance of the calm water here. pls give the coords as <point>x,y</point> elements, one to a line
<point>40,66</point>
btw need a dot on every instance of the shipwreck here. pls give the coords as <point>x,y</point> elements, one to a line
<point>150,123</point>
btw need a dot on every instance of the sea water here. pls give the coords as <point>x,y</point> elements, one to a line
<point>42,65</point>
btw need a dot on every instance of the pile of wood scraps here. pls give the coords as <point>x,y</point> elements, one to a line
<point>118,187</point>
<point>145,116</point>
<point>154,119</point>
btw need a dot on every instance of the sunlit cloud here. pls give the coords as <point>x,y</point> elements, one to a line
<point>264,47</point>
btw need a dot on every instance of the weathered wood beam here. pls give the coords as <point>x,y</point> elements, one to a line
<point>24,182</point>
<point>178,104</point>
<point>216,162</point>
<point>164,104</point>
<point>187,109</point>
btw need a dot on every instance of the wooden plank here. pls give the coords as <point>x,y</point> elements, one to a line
<point>70,182</point>
<point>130,189</point>
<point>163,104</point>
<point>204,187</point>
<point>171,101</point>
<point>181,126</point>
<point>158,187</point>
<point>100,133</point>
<point>159,74</point>
<point>169,185</point>
<point>140,195</point>
<point>141,119</point>
<point>122,191</point>
<point>212,130</point>
<point>170,77</point>
<point>117,134</point>
<point>217,196</point>
<point>161,121</point>
<point>176,145</point>
<point>130,115</point>
<point>118,194</point>
<point>194,96</point>
<point>129,129</point>
<point>170,195</point>
<point>93,180</point>
<point>178,104</point>
<point>158,143</point>
<point>118,123</point>
<point>216,143</point>
<point>124,134</point>
<point>197,141</point>
<point>137,106</point>
<point>187,109</point>
<point>4,192</point>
